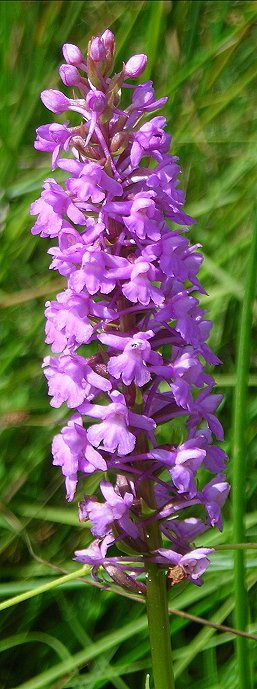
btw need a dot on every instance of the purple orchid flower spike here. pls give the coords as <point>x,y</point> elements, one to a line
<point>128,336</point>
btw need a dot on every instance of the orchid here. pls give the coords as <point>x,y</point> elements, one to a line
<point>121,241</point>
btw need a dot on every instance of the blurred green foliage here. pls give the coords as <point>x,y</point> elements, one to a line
<point>202,53</point>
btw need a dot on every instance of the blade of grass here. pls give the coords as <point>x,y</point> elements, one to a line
<point>82,657</point>
<point>28,294</point>
<point>126,28</point>
<point>200,640</point>
<point>155,10</point>
<point>57,515</point>
<point>204,55</point>
<point>224,57</point>
<point>41,637</point>
<point>102,664</point>
<point>44,587</point>
<point>239,470</point>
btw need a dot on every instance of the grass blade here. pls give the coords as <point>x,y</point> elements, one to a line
<point>239,471</point>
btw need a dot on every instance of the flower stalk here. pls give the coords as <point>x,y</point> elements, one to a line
<point>128,337</point>
<point>159,628</point>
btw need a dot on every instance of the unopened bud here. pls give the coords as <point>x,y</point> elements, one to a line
<point>135,65</point>
<point>55,101</point>
<point>69,75</point>
<point>83,513</point>
<point>96,61</point>
<point>78,143</point>
<point>124,580</point>
<point>110,47</point>
<point>119,142</point>
<point>97,50</point>
<point>101,369</point>
<point>108,41</point>
<point>72,54</point>
<point>96,363</point>
<point>95,359</point>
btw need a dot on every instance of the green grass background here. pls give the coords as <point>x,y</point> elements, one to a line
<point>203,55</point>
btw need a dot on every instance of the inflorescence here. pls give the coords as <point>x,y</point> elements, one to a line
<point>128,335</point>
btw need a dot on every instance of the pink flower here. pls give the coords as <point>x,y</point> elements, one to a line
<point>132,363</point>
<point>193,564</point>
<point>140,287</point>
<point>72,451</point>
<point>72,380</point>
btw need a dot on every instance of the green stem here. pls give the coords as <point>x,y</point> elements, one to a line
<point>156,591</point>
<point>237,546</point>
<point>158,625</point>
<point>44,587</point>
<point>156,596</point>
<point>157,611</point>
<point>239,473</point>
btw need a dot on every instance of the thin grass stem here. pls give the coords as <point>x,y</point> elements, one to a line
<point>239,464</point>
<point>44,587</point>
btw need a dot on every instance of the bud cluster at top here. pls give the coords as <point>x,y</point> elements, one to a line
<point>128,336</point>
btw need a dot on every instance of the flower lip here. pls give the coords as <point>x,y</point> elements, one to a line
<point>96,101</point>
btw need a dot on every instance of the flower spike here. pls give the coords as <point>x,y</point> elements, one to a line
<point>121,240</point>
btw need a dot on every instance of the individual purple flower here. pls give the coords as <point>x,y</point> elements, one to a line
<point>72,246</point>
<point>113,432</point>
<point>182,463</point>
<point>143,99</point>
<point>95,554</point>
<point>53,138</point>
<point>94,273</point>
<point>184,372</point>
<point>53,204</point>
<point>89,181</point>
<point>215,459</point>
<point>115,567</point>
<point>171,199</point>
<point>203,408</point>
<point>140,288</point>
<point>179,260</point>
<point>72,380</point>
<point>67,320</point>
<point>213,496</point>
<point>103,515</point>
<point>144,220</point>
<point>193,564</point>
<point>150,140</point>
<point>73,453</point>
<point>183,532</point>
<point>132,363</point>
<point>96,101</point>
